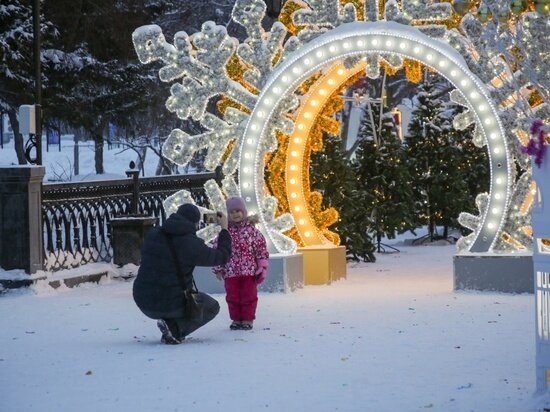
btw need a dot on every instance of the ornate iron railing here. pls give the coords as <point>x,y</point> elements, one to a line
<point>76,216</point>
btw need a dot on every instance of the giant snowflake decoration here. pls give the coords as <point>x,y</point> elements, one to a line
<point>197,66</point>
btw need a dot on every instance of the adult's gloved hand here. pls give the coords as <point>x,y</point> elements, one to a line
<point>261,271</point>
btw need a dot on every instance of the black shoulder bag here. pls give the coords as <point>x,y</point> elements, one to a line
<point>193,307</point>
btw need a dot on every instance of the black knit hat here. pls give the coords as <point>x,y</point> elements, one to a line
<point>190,212</point>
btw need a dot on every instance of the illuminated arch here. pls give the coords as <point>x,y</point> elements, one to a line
<point>311,107</point>
<point>360,38</point>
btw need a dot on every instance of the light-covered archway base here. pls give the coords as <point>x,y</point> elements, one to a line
<point>323,264</point>
<point>285,274</point>
<point>499,273</point>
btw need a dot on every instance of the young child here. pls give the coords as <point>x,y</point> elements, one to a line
<point>246,268</point>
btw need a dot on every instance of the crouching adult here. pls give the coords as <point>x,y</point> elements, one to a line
<point>165,276</point>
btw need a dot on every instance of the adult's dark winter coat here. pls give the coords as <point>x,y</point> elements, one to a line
<point>157,290</point>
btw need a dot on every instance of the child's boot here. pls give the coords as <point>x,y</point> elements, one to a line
<point>246,324</point>
<point>235,325</point>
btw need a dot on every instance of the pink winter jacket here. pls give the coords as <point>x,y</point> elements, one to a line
<point>247,247</point>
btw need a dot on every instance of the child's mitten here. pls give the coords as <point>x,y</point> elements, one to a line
<point>261,272</point>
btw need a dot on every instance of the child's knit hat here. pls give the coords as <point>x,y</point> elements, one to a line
<point>236,203</point>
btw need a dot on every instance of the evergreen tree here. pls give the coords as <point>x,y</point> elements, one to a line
<point>17,78</point>
<point>440,160</point>
<point>382,176</point>
<point>471,165</point>
<point>96,78</point>
<point>424,149</point>
<point>330,170</point>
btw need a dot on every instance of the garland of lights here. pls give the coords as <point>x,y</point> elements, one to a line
<point>257,80</point>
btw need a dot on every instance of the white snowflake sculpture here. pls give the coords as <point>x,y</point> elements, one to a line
<point>196,64</point>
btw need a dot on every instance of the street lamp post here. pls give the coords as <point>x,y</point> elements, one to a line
<point>37,79</point>
<point>36,140</point>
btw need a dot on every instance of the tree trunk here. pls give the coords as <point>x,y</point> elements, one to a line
<point>98,139</point>
<point>163,167</point>
<point>17,138</point>
<point>140,164</point>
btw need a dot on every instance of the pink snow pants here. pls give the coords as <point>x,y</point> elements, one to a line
<point>241,297</point>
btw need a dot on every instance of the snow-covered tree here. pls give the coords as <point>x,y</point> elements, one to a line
<point>331,171</point>
<point>428,153</point>
<point>16,62</point>
<point>447,170</point>
<point>95,78</point>
<point>382,176</point>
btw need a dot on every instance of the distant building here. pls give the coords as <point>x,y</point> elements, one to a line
<point>402,117</point>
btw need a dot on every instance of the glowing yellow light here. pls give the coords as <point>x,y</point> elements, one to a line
<point>307,234</point>
<point>305,138</point>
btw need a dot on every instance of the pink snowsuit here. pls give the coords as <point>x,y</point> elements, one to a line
<point>248,246</point>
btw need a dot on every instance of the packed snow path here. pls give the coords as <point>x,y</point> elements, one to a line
<point>392,337</point>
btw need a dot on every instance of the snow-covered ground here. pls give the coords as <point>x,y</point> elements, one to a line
<point>393,336</point>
